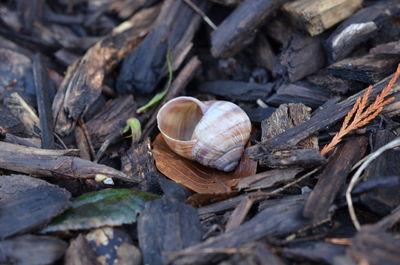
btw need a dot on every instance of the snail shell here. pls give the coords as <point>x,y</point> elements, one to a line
<point>213,133</point>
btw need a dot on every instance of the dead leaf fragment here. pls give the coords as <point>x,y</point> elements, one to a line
<point>197,177</point>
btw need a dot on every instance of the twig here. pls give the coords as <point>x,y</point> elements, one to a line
<point>393,144</point>
<point>359,115</point>
<point>201,13</point>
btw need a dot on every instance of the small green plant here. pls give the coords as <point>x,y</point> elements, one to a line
<point>133,125</point>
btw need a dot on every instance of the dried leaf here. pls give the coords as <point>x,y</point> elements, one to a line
<point>197,177</point>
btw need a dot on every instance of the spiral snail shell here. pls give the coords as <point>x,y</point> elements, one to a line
<point>213,133</point>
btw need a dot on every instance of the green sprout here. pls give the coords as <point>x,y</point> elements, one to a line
<point>133,125</point>
<point>159,96</point>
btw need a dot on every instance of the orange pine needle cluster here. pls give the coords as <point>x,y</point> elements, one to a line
<point>359,116</point>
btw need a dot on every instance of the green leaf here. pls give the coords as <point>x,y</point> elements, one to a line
<point>108,207</point>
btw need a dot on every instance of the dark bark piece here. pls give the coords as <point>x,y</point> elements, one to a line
<point>237,30</point>
<point>376,247</point>
<point>359,28</point>
<point>30,13</point>
<point>316,16</point>
<point>367,69</point>
<point>387,48</point>
<point>10,122</point>
<point>304,158</point>
<point>13,139</point>
<point>24,203</point>
<point>384,199</point>
<point>16,66</point>
<point>264,54</point>
<point>257,115</point>
<point>125,8</point>
<point>21,109</point>
<point>228,2</point>
<point>31,250</point>
<point>266,256</point>
<point>111,119</point>
<point>138,162</point>
<point>318,121</point>
<point>280,30</point>
<point>83,82</point>
<point>43,102</point>
<point>332,179</point>
<point>66,57</point>
<point>82,144</point>
<point>80,253</point>
<point>302,56</point>
<point>38,162</point>
<point>334,84</point>
<point>172,33</point>
<point>268,179</point>
<point>285,117</point>
<point>158,234</point>
<point>236,90</point>
<point>113,245</point>
<point>318,252</point>
<point>309,95</point>
<point>280,217</point>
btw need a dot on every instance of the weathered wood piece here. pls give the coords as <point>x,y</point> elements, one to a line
<point>332,179</point>
<point>367,69</point>
<point>236,90</point>
<point>112,118</point>
<point>80,253</point>
<point>375,246</point>
<point>280,30</point>
<point>285,117</point>
<point>24,203</point>
<point>82,144</point>
<point>83,82</point>
<point>264,54</point>
<point>9,122</point>
<point>359,28</point>
<point>334,84</point>
<point>303,55</point>
<point>320,120</point>
<point>43,101</point>
<point>310,95</point>
<point>13,139</point>
<point>21,109</point>
<point>239,214</point>
<point>279,217</point>
<point>31,250</point>
<point>172,33</point>
<point>304,158</point>
<point>316,16</point>
<point>268,179</point>
<point>158,234</point>
<point>387,48</point>
<point>138,162</point>
<point>228,2</point>
<point>318,252</point>
<point>39,162</point>
<point>237,30</point>
<point>384,199</point>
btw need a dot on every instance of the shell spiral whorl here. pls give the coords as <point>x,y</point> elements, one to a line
<point>213,133</point>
